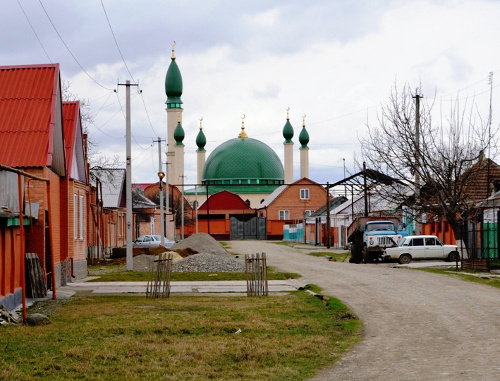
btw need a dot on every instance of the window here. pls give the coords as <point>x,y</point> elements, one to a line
<point>284,215</point>
<point>429,241</point>
<point>75,215</point>
<point>307,213</point>
<point>82,216</point>
<point>304,194</point>
<point>417,242</point>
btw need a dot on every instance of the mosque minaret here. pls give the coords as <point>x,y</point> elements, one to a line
<point>288,148</point>
<point>173,90</point>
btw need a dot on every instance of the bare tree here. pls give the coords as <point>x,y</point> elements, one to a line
<point>436,165</point>
<point>97,160</point>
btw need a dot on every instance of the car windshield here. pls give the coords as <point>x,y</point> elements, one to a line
<point>381,226</point>
<point>156,237</point>
<point>403,242</point>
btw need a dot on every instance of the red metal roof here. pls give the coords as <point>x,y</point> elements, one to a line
<point>28,98</point>
<point>70,119</point>
<point>224,200</point>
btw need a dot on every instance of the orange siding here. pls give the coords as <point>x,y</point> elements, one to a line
<point>10,258</point>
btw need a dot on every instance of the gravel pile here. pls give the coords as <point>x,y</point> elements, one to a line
<point>201,243</point>
<point>211,256</point>
<point>206,262</point>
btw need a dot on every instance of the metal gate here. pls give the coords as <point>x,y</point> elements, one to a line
<point>248,227</point>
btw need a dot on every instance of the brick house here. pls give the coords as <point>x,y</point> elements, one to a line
<point>291,204</point>
<point>32,140</point>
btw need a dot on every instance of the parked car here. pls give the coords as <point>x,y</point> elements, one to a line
<point>151,240</point>
<point>421,247</point>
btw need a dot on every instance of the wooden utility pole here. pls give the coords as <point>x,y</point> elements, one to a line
<point>161,175</point>
<point>328,222</point>
<point>128,183</point>
<point>418,225</point>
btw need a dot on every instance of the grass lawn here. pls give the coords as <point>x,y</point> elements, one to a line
<point>336,257</point>
<point>469,275</point>
<point>117,273</point>
<point>284,337</point>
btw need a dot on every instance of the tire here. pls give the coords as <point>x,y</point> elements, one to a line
<point>453,256</point>
<point>404,259</point>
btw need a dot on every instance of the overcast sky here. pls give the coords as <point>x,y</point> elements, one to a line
<point>333,61</point>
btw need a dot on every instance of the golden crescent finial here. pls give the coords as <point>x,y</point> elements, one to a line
<point>304,120</point>
<point>243,134</point>
<point>173,50</point>
<point>288,113</point>
<point>201,120</point>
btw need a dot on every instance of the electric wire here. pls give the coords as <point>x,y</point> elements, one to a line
<point>34,31</point>
<point>69,50</point>
<point>125,63</point>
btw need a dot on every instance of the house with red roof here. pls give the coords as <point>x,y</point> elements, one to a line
<point>42,137</point>
<point>224,215</point>
<point>291,204</point>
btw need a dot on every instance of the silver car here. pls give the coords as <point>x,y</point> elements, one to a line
<point>421,247</point>
<point>153,240</point>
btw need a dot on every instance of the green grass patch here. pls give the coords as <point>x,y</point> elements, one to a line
<point>120,275</point>
<point>331,256</point>
<point>284,337</point>
<point>468,275</point>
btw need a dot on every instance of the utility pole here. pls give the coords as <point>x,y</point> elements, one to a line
<point>161,175</point>
<point>417,96</point>
<point>168,203</point>
<point>328,222</point>
<point>128,182</point>
<point>182,208</point>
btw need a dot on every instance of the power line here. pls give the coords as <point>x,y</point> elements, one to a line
<point>34,31</point>
<point>116,42</point>
<point>69,50</point>
<point>126,66</point>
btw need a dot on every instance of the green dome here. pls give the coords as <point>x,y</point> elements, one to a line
<point>201,140</point>
<point>178,134</point>
<point>288,131</point>
<point>244,161</point>
<point>173,85</point>
<point>304,137</point>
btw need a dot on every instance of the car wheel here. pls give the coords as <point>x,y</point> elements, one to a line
<point>404,259</point>
<point>453,256</point>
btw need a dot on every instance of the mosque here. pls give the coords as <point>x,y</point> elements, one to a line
<point>243,165</point>
<point>243,191</point>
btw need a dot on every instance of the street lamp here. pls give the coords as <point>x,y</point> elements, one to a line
<point>161,175</point>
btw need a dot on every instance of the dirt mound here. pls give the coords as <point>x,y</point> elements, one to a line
<point>144,262</point>
<point>185,252</point>
<point>201,243</point>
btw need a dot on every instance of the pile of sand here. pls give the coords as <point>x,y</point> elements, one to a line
<point>201,243</point>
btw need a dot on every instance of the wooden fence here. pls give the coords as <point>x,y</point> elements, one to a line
<point>256,274</point>
<point>159,280</point>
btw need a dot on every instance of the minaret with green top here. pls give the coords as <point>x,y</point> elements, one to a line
<point>304,150</point>
<point>173,90</point>
<point>288,148</point>
<point>201,141</point>
<point>179,152</point>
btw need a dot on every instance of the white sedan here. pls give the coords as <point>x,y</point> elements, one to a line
<point>421,247</point>
<point>151,240</point>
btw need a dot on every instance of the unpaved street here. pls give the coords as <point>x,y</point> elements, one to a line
<point>418,326</point>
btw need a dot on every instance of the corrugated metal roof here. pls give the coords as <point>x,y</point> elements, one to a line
<point>27,107</point>
<point>70,117</point>
<point>73,141</point>
<point>113,185</point>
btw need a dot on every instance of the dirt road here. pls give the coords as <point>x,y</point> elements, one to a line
<point>418,326</point>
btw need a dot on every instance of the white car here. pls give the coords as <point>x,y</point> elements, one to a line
<point>151,240</point>
<point>421,247</point>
